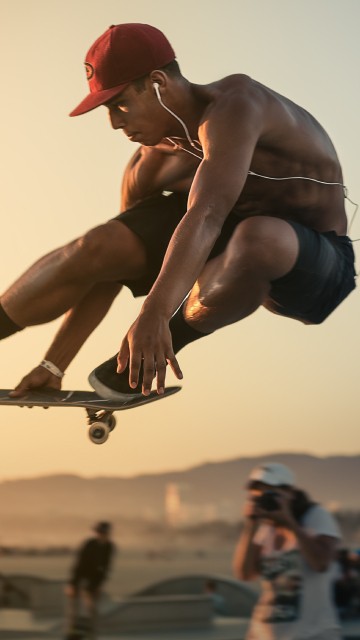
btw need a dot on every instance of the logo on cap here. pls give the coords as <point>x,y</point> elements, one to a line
<point>89,70</point>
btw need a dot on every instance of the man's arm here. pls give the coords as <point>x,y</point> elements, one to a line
<point>229,138</point>
<point>80,562</point>
<point>109,559</point>
<point>78,324</point>
<point>246,561</point>
<point>152,170</point>
<point>318,551</point>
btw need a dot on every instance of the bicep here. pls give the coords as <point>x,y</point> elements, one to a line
<point>152,170</point>
<point>229,140</point>
<point>216,187</point>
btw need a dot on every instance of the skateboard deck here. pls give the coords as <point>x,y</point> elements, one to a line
<point>99,410</point>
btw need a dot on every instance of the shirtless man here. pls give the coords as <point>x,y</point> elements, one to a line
<point>260,160</point>
<point>265,222</point>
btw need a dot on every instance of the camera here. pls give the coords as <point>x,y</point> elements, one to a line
<point>268,501</point>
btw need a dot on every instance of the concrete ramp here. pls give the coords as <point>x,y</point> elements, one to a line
<point>158,613</point>
<point>44,597</point>
<point>239,598</point>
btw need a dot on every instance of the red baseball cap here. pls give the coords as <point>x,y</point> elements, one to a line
<point>122,54</point>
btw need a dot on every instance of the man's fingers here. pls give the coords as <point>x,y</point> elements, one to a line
<point>158,368</point>
<point>123,356</point>
<point>25,385</point>
<point>148,374</point>
<point>161,366</point>
<point>136,361</point>
<point>160,375</point>
<point>147,353</point>
<point>19,391</point>
<point>172,361</point>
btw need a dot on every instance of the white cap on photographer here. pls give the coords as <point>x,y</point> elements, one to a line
<point>273,474</point>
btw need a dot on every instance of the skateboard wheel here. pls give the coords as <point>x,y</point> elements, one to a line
<point>111,422</point>
<point>99,432</point>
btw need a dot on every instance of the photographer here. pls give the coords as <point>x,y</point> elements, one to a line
<point>290,544</point>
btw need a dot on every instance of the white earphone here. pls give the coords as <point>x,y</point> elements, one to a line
<point>191,142</point>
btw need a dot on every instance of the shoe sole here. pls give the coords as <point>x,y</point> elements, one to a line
<point>109,394</point>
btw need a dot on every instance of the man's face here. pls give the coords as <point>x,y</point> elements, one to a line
<point>139,115</point>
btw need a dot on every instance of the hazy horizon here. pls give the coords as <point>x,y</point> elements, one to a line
<point>180,469</point>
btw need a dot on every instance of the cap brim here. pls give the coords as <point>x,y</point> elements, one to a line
<point>264,480</point>
<point>97,99</point>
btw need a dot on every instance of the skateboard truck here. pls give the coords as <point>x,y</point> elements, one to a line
<point>101,424</point>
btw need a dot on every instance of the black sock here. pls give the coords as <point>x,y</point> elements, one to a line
<point>182,333</point>
<point>105,374</point>
<point>7,326</point>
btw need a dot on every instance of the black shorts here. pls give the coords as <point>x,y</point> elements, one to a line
<point>154,221</point>
<point>322,277</point>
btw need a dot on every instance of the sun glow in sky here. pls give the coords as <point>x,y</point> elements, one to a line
<point>266,384</point>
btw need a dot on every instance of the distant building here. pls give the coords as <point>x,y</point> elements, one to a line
<point>179,512</point>
<point>173,508</point>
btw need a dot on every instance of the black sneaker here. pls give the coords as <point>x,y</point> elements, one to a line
<point>112,385</point>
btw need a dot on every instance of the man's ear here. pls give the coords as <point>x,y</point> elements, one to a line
<point>159,80</point>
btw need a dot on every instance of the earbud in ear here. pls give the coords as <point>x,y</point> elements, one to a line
<point>156,86</point>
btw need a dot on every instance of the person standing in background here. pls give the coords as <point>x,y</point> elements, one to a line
<point>88,574</point>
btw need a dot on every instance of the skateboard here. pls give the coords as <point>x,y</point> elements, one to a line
<point>99,411</point>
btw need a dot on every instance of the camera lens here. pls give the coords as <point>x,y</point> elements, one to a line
<point>268,501</point>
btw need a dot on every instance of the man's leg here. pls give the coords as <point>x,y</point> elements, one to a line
<point>91,603</point>
<point>232,286</point>
<point>71,612</point>
<point>57,282</point>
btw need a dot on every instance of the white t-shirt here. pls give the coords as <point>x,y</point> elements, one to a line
<point>296,602</point>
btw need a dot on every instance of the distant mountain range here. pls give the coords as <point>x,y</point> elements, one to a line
<point>60,504</point>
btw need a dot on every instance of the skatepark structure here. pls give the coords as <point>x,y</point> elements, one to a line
<point>35,609</point>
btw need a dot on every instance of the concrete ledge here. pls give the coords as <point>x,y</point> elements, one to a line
<point>159,612</point>
<point>44,597</point>
<point>239,598</point>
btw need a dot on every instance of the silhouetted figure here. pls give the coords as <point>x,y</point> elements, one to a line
<point>219,604</point>
<point>87,577</point>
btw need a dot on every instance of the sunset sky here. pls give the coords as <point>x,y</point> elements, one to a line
<point>267,384</point>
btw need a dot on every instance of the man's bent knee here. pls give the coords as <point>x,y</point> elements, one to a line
<point>112,249</point>
<point>265,245</point>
